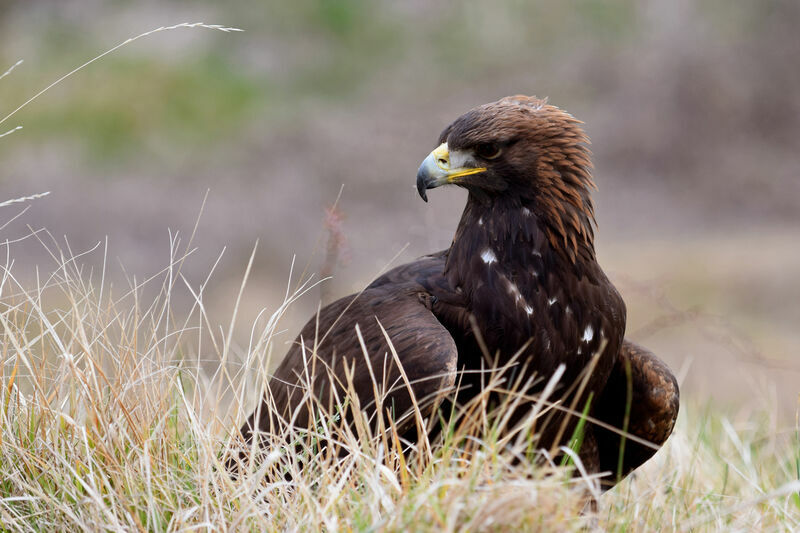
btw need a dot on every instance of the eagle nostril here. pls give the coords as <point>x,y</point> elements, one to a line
<point>442,161</point>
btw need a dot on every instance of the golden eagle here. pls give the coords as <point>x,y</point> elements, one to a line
<point>520,280</point>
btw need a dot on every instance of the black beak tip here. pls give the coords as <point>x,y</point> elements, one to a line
<point>422,187</point>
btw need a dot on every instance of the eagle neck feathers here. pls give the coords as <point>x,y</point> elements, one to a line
<point>512,273</point>
<point>513,234</point>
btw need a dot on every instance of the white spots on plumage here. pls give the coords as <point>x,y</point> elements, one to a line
<point>488,256</point>
<point>579,350</point>
<point>567,310</point>
<point>513,289</point>
<point>537,253</point>
<point>588,334</point>
<point>551,301</point>
<point>519,299</point>
<point>526,212</point>
<point>480,221</point>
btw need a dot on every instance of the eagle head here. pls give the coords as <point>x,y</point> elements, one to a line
<point>520,152</point>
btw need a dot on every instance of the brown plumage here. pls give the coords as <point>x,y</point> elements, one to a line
<point>520,276</point>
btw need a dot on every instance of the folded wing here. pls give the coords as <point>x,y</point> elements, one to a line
<point>330,357</point>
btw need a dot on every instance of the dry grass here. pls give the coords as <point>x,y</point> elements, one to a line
<point>118,411</point>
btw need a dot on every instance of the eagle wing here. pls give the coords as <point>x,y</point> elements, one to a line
<point>329,358</point>
<point>644,387</point>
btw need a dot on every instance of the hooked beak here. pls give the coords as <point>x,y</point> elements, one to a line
<point>437,169</point>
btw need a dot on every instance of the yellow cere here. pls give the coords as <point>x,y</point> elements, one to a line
<point>442,157</point>
<point>465,172</point>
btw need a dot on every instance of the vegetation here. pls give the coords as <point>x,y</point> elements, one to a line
<point>117,412</point>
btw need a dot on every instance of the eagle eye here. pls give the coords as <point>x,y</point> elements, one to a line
<point>488,150</point>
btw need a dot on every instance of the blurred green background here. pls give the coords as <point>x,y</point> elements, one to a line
<point>693,109</point>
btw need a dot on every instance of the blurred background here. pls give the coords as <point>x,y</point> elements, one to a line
<point>693,108</point>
